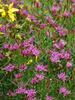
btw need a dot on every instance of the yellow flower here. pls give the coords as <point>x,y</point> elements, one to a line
<point>1,33</point>
<point>11,11</point>
<point>2,11</point>
<point>19,36</point>
<point>29,62</point>
<point>8,11</point>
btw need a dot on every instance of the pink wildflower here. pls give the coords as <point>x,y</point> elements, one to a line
<point>66,14</point>
<point>41,67</point>
<point>62,76</point>
<point>73,1</point>
<point>35,51</point>
<point>9,68</point>
<point>31,93</point>
<point>21,90</point>
<point>55,9</point>
<point>23,67</point>
<point>49,98</point>
<point>64,91</point>
<point>14,46</point>
<point>19,75</point>
<point>69,65</point>
<point>6,46</point>
<point>43,25</point>
<point>54,57</point>
<point>12,94</point>
<point>37,78</point>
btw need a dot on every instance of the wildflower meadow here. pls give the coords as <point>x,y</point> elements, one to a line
<point>37,49</point>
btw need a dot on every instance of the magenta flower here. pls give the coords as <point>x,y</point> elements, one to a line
<point>19,75</point>
<point>11,94</point>
<point>66,14</point>
<point>43,25</point>
<point>67,55</point>
<point>60,30</point>
<point>50,20</point>
<point>62,76</point>
<point>37,78</point>
<point>47,33</point>
<point>3,28</point>
<point>41,67</point>
<point>24,12</point>
<point>14,46</point>
<point>35,51</point>
<point>9,68</point>
<point>73,1</point>
<point>23,67</point>
<point>64,91</point>
<point>31,93</point>
<point>49,98</point>
<point>40,76</point>
<point>34,80</point>
<point>20,90</point>
<point>55,9</point>
<point>62,43</point>
<point>73,9</point>
<point>69,65</point>
<point>54,57</point>
<point>6,46</point>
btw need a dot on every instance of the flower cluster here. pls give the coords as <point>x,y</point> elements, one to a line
<point>37,47</point>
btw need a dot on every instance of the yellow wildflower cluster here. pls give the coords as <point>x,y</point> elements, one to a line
<point>8,11</point>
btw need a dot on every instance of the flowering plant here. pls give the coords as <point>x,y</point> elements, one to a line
<point>37,47</point>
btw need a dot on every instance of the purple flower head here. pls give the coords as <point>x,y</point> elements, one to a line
<point>50,20</point>
<point>41,67</point>
<point>43,25</point>
<point>14,46</point>
<point>11,94</point>
<point>34,80</point>
<point>19,75</point>
<point>23,67</point>
<point>21,90</point>
<point>67,55</point>
<point>6,46</point>
<point>24,12</point>
<point>26,52</point>
<point>3,28</point>
<point>55,9</point>
<point>64,91</point>
<point>31,93</point>
<point>9,68</point>
<point>35,51</point>
<point>66,14</point>
<point>62,52</point>
<point>73,1</point>
<point>40,76</point>
<point>62,43</point>
<point>69,65</point>
<point>37,78</point>
<point>62,76</point>
<point>28,42</point>
<point>32,18</point>
<point>49,98</point>
<point>55,57</point>
<point>60,31</point>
